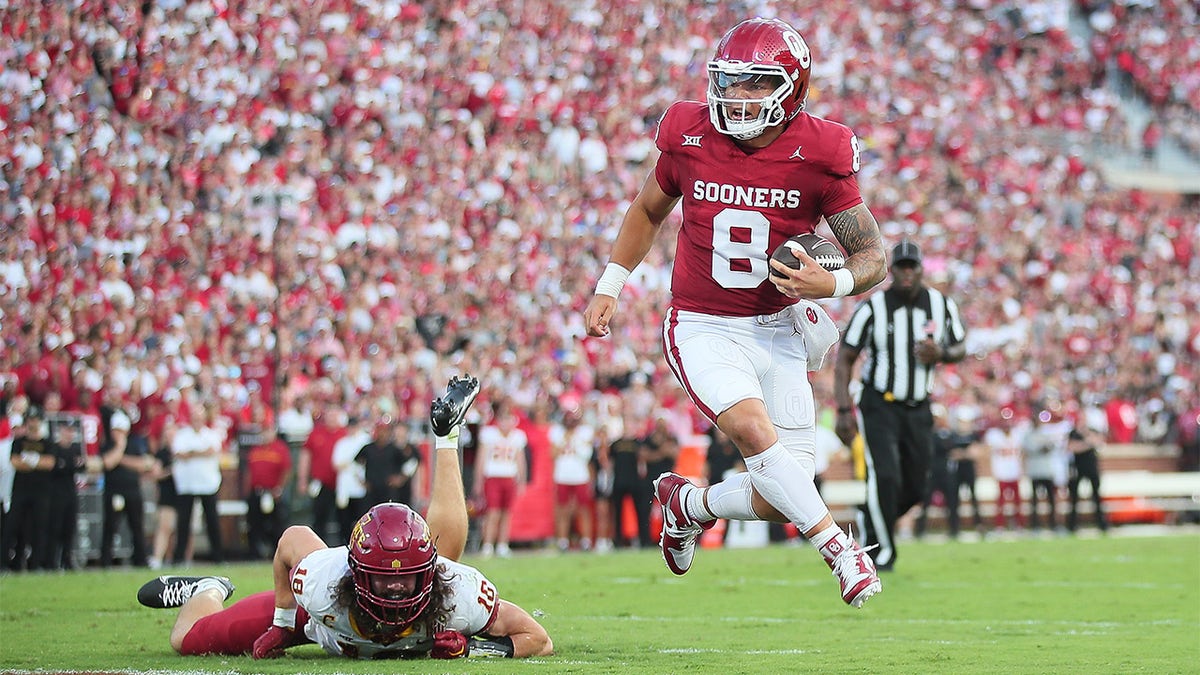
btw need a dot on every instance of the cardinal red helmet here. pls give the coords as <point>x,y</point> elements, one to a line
<point>758,54</point>
<point>392,541</point>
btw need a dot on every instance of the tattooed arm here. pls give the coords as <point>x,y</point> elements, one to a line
<point>858,233</point>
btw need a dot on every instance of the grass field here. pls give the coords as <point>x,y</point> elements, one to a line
<point>1119,604</point>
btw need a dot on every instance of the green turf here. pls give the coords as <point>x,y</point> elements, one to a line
<point>1120,604</point>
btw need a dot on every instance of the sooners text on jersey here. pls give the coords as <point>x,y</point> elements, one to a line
<point>739,205</point>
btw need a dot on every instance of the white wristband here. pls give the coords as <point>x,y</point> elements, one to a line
<point>612,281</point>
<point>285,618</point>
<point>843,283</point>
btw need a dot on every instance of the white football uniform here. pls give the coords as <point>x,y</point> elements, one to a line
<point>578,445</point>
<point>501,451</point>
<point>721,360</point>
<point>473,600</point>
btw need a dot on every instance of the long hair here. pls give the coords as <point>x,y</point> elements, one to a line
<point>433,618</point>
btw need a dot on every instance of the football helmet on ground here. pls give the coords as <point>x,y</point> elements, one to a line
<point>757,56</point>
<point>394,562</point>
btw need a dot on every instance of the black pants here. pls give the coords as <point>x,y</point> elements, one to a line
<point>899,448</point>
<point>348,516</point>
<point>212,526</point>
<point>63,522</point>
<point>324,510</point>
<point>940,480</point>
<point>24,541</point>
<point>963,476</point>
<point>264,529</point>
<point>133,511</point>
<point>1085,466</point>
<point>1042,488</point>
<point>641,494</point>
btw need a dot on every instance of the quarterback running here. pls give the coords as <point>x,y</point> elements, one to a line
<point>751,168</point>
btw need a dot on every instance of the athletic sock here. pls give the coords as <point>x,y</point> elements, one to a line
<point>211,584</point>
<point>830,542</point>
<point>782,481</point>
<point>728,499</point>
<point>449,441</point>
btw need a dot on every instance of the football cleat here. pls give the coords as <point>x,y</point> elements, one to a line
<point>448,411</point>
<point>856,572</point>
<point>171,591</point>
<point>679,530</point>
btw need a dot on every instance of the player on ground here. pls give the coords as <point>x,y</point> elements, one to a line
<point>388,594</point>
<point>751,169</point>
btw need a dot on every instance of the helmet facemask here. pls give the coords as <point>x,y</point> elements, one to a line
<point>731,114</point>
<point>389,542</point>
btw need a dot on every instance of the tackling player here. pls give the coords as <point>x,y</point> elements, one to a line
<point>388,594</point>
<point>751,169</point>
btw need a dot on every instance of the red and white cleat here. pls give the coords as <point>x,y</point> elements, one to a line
<point>679,531</point>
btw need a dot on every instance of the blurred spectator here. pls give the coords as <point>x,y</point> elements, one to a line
<point>10,417</point>
<point>351,486</point>
<point>1045,448</point>
<point>166,511</point>
<point>602,489</point>
<point>722,458</point>
<point>63,502</point>
<point>1187,434</point>
<point>295,420</point>
<point>965,447</point>
<point>124,466</point>
<point>660,449</point>
<point>1003,440</point>
<point>572,443</point>
<point>268,468</point>
<point>1122,419</point>
<point>392,463</point>
<point>315,472</point>
<point>1084,445</point>
<point>501,472</point>
<point>940,483</point>
<point>629,481</point>
<point>26,536</point>
<point>196,450</point>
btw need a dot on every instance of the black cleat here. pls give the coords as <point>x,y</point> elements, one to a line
<point>170,591</point>
<point>448,411</point>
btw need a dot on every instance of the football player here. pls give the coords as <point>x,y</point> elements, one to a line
<point>751,168</point>
<point>388,593</point>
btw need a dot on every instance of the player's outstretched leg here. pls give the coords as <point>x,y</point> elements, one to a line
<point>447,514</point>
<point>173,591</point>
<point>679,530</point>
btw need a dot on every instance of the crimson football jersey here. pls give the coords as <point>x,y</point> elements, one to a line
<point>740,205</point>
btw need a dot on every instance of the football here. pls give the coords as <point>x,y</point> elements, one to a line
<point>825,252</point>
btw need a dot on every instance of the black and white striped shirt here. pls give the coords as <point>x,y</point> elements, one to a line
<point>891,328</point>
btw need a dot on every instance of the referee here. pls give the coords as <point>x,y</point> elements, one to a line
<point>907,329</point>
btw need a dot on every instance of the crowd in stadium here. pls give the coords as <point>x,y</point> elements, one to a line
<point>345,202</point>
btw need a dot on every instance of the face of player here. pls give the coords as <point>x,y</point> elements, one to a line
<point>748,88</point>
<point>394,586</point>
